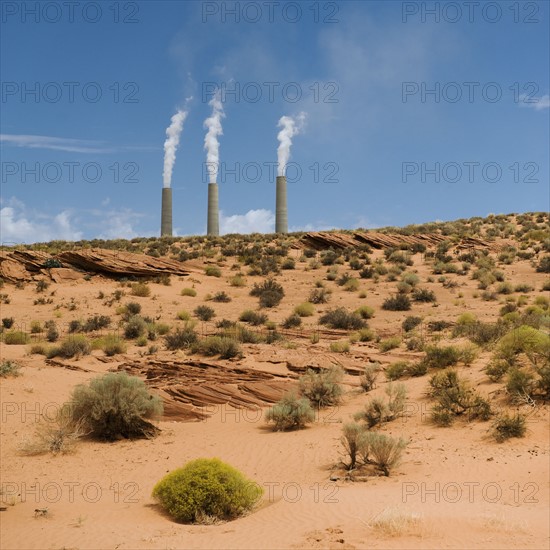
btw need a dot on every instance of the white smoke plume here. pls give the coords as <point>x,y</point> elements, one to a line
<point>290,127</point>
<point>211,144</point>
<point>171,145</point>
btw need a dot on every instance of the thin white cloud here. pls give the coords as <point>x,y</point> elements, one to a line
<point>254,221</point>
<point>537,103</point>
<point>65,144</point>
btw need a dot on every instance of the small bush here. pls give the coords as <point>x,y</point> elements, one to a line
<point>351,285</point>
<point>7,322</point>
<point>424,295</point>
<point>135,327</point>
<point>369,376</point>
<point>181,338</point>
<point>323,389</point>
<point>204,313</point>
<point>378,410</point>
<point>188,292</point>
<point>353,440</point>
<point>221,297</point>
<point>72,346</point>
<point>206,489</point>
<point>253,318</point>
<point>132,308</point>
<point>16,338</point>
<point>544,265</point>
<point>440,357</point>
<point>397,370</point>
<point>9,368</point>
<point>383,451</point>
<point>342,346</point>
<point>365,312</point>
<point>292,321</point>
<point>399,302</point>
<point>319,296</point>
<point>42,285</point>
<point>410,323</point>
<point>115,405</point>
<point>237,281</point>
<point>269,292</point>
<point>367,335</point>
<point>52,334</point>
<point>140,289</point>
<point>183,315</point>
<point>223,346</point>
<point>341,318</point>
<point>97,322</point>
<point>112,344</point>
<point>305,309</point>
<point>290,413</point>
<point>213,271</point>
<point>389,344</point>
<point>506,426</point>
<point>36,327</point>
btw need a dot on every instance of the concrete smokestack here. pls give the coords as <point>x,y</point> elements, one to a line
<point>166,213</point>
<point>281,212</point>
<point>213,225</point>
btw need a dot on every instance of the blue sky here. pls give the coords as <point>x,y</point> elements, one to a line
<point>87,97</point>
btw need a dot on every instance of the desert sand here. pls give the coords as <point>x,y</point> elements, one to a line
<point>456,487</point>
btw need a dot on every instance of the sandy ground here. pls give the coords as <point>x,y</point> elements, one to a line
<point>456,487</point>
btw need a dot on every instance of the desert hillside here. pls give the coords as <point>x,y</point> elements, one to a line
<point>223,328</point>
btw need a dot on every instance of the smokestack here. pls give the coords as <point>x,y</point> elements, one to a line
<point>166,213</point>
<point>213,225</point>
<point>281,213</point>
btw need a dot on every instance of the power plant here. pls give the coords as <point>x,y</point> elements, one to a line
<point>166,213</point>
<point>213,220</point>
<point>281,212</point>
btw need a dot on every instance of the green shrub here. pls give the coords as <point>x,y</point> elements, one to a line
<point>291,412</point>
<point>383,451</point>
<point>424,295</point>
<point>520,383</point>
<point>131,309</point>
<point>183,315</point>
<point>135,327</point>
<point>253,318</point>
<point>188,292</point>
<point>113,344</point>
<point>212,271</point>
<point>506,426</point>
<point>497,369</point>
<point>454,397</point>
<point>9,368</point>
<point>221,297</point>
<point>182,337</point>
<point>322,388</point>
<point>397,370</point>
<point>365,312</point>
<point>292,321</point>
<point>342,346</point>
<point>16,337</point>
<point>523,339</point>
<point>36,327</point>
<point>410,323</point>
<point>367,335</point>
<point>75,345</point>
<point>269,292</point>
<point>223,346</point>
<point>399,302</point>
<point>204,313</point>
<point>96,322</point>
<point>206,489</point>
<point>115,405</point>
<point>304,309</point>
<point>140,289</point>
<point>544,265</point>
<point>351,285</point>
<point>319,296</point>
<point>341,318</point>
<point>237,281</point>
<point>389,344</point>
<point>440,357</point>
<point>52,334</point>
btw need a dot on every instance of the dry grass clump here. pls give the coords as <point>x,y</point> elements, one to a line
<point>9,368</point>
<point>188,292</point>
<point>290,413</point>
<point>140,289</point>
<point>322,388</point>
<point>378,410</point>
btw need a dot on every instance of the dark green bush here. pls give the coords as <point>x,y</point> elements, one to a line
<point>399,302</point>
<point>206,489</point>
<point>292,321</point>
<point>424,295</point>
<point>253,318</point>
<point>341,318</point>
<point>7,322</point>
<point>410,323</point>
<point>269,292</point>
<point>506,426</point>
<point>204,313</point>
<point>115,405</point>
<point>440,357</point>
<point>223,346</point>
<point>181,338</point>
<point>135,327</point>
<point>72,346</point>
